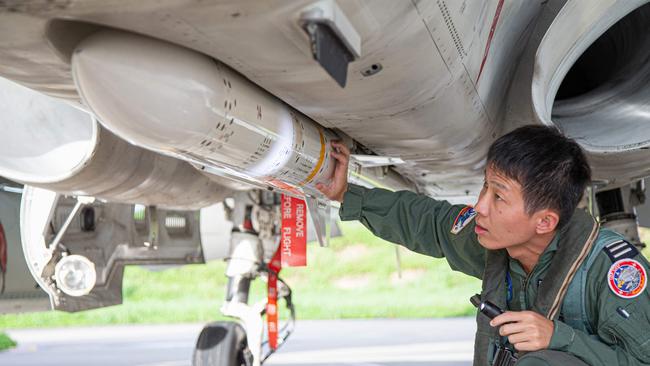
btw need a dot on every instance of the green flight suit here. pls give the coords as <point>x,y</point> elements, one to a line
<point>424,225</point>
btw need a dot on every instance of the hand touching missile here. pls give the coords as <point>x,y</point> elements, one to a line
<point>339,180</point>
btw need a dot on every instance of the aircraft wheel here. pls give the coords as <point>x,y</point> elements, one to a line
<point>223,344</point>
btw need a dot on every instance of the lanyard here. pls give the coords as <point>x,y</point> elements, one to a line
<point>509,285</point>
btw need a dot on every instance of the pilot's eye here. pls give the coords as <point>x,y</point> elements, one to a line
<point>498,197</point>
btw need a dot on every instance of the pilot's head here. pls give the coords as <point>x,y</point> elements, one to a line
<point>534,179</point>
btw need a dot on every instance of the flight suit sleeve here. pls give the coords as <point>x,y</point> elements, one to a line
<point>418,223</point>
<point>621,324</point>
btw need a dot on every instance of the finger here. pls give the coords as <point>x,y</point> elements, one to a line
<point>519,338</point>
<point>324,189</point>
<point>512,328</point>
<point>336,145</point>
<point>340,169</point>
<point>507,317</point>
<point>340,176</point>
<point>527,346</point>
<point>339,157</point>
<point>341,147</point>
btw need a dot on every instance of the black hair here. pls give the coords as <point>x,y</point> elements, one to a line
<point>551,168</point>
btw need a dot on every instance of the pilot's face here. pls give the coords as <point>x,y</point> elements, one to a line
<point>501,220</point>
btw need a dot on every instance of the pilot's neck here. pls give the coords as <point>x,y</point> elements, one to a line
<point>529,252</point>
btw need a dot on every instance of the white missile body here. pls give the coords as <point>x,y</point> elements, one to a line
<point>181,103</point>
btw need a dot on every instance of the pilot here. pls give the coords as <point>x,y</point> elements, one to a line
<point>573,293</point>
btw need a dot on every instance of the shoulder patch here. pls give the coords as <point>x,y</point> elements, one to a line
<point>464,217</point>
<point>620,249</point>
<point>627,278</point>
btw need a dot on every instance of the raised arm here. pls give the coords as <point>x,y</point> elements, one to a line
<point>417,222</point>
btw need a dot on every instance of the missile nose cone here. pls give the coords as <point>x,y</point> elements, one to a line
<point>179,102</point>
<point>137,85</point>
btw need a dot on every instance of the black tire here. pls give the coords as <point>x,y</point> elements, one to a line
<point>222,344</point>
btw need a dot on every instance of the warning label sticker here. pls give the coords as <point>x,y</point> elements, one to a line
<point>293,241</point>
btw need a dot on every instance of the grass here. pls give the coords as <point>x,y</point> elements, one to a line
<point>355,278</point>
<point>6,342</point>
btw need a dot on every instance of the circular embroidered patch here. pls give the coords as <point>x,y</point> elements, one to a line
<point>627,278</point>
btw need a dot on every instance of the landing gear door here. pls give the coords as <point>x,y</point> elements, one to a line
<point>19,292</point>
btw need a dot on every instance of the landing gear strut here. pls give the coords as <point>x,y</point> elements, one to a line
<point>253,242</point>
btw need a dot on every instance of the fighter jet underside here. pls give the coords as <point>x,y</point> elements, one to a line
<point>125,120</point>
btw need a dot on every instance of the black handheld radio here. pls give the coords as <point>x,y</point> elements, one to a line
<point>503,356</point>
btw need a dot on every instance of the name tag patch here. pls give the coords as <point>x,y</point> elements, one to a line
<point>464,217</point>
<point>627,278</point>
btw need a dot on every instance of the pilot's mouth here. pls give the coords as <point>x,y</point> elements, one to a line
<point>478,229</point>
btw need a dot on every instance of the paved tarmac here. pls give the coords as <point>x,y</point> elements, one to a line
<point>316,343</point>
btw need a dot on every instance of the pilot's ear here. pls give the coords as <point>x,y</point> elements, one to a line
<point>547,221</point>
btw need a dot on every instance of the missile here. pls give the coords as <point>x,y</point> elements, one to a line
<point>184,104</point>
<point>54,145</point>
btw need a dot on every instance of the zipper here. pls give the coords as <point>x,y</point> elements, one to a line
<point>525,286</point>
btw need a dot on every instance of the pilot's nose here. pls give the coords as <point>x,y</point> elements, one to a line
<point>481,206</point>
